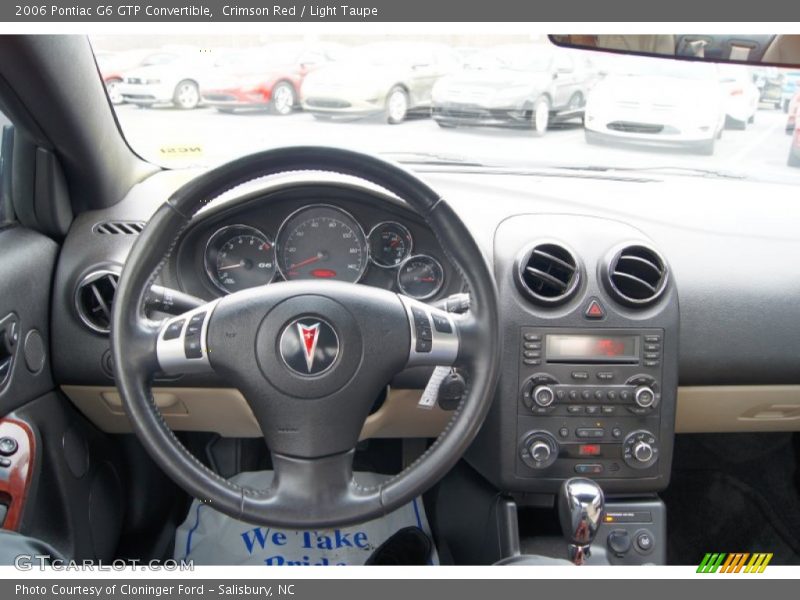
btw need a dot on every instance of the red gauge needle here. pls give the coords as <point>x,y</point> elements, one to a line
<point>427,279</point>
<point>305,262</point>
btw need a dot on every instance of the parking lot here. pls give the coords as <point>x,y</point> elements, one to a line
<point>175,137</point>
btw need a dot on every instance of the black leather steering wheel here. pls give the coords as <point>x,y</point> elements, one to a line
<point>309,356</point>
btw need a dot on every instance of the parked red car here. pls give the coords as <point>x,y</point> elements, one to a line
<point>265,78</point>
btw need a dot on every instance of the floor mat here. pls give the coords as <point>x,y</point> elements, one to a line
<point>733,494</point>
<point>208,537</point>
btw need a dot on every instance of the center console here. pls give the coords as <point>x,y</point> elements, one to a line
<point>590,323</point>
<point>589,402</point>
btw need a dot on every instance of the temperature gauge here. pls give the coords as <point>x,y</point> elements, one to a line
<point>420,277</point>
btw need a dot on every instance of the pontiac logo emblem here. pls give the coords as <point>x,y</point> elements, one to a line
<point>309,346</point>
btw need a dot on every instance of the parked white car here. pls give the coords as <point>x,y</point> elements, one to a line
<point>668,104</point>
<point>167,77</point>
<point>741,96</point>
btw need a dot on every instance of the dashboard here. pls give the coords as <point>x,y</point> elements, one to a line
<point>628,313</point>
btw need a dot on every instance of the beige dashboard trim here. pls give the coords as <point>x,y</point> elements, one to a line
<point>226,412</point>
<point>707,409</point>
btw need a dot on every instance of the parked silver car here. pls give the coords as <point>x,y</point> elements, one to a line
<point>389,78</point>
<point>523,85</point>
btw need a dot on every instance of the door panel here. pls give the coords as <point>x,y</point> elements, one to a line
<point>27,263</point>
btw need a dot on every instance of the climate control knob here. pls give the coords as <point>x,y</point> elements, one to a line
<point>645,397</point>
<point>643,452</point>
<point>640,449</point>
<point>543,395</point>
<point>539,450</point>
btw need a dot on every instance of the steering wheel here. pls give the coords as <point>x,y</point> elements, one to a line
<point>310,357</point>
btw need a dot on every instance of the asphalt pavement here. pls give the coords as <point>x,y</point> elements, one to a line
<point>176,137</point>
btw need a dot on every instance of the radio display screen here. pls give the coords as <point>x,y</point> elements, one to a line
<point>592,348</point>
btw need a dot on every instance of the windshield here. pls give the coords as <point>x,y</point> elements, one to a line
<point>502,101</point>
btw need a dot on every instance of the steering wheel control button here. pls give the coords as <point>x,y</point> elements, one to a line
<point>309,346</point>
<point>435,344</point>
<point>594,310</point>
<point>173,330</point>
<point>8,446</point>
<point>619,542</point>
<point>192,347</point>
<point>181,344</point>
<point>441,324</point>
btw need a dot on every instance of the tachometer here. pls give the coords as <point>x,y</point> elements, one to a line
<point>322,242</point>
<point>239,257</point>
<point>389,244</point>
<point>420,277</point>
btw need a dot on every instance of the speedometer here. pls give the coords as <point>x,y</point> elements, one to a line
<point>322,242</point>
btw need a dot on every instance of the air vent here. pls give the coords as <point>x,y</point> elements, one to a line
<point>548,273</point>
<point>119,227</point>
<point>94,298</point>
<point>637,275</point>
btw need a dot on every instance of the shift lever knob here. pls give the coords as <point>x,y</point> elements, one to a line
<point>580,509</point>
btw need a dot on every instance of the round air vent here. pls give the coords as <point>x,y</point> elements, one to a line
<point>637,275</point>
<point>547,273</point>
<point>94,298</point>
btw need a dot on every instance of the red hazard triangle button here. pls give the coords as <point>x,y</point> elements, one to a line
<point>595,310</point>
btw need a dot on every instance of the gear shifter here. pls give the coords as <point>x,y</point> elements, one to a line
<point>580,509</point>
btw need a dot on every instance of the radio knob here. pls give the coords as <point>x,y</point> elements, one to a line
<point>645,397</point>
<point>540,451</point>
<point>643,452</point>
<point>543,396</point>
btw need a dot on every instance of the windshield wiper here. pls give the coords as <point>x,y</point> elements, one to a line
<point>663,168</point>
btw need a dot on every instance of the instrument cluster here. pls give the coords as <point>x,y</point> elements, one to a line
<point>322,241</point>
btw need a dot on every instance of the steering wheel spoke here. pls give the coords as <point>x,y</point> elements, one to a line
<point>435,339</point>
<point>182,343</point>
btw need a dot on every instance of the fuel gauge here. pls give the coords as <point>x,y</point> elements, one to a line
<point>420,277</point>
<point>389,244</point>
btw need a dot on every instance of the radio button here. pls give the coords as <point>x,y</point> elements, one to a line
<point>651,339</point>
<point>561,394</point>
<point>590,432</point>
<point>532,361</point>
<point>645,397</point>
<point>573,395</point>
<point>624,395</point>
<point>616,432</point>
<point>608,410</point>
<point>598,394</point>
<point>592,410</point>
<point>532,337</point>
<point>563,432</point>
<point>605,375</point>
<point>586,395</point>
<point>611,395</point>
<point>574,409</point>
<point>532,345</point>
<point>651,355</point>
<point>651,363</point>
<point>652,347</point>
<point>580,375</point>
